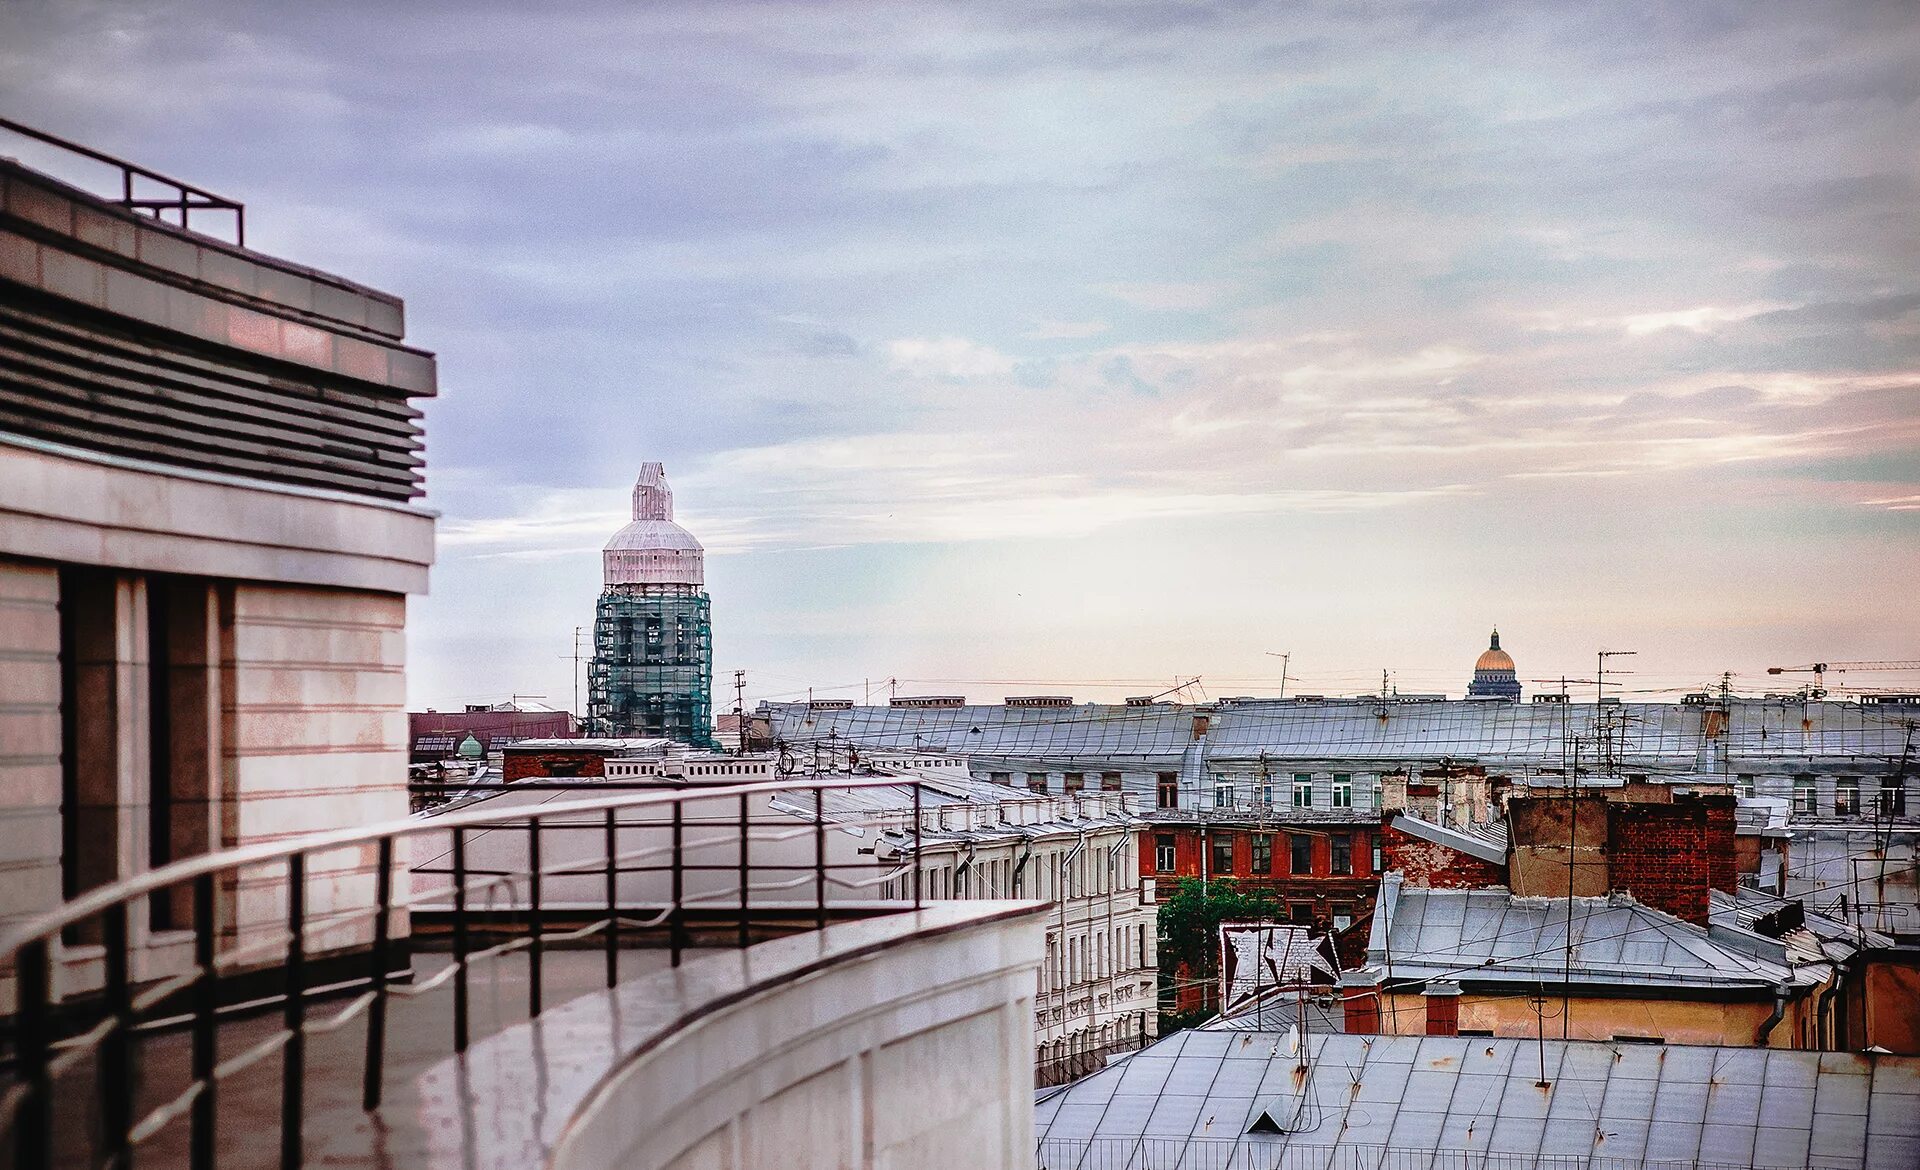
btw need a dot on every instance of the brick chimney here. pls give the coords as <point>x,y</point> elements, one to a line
<point>1668,855</point>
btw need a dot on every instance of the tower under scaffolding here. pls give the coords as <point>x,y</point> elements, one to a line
<point>652,668</point>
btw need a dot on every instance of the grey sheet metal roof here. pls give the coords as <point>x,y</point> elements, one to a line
<point>1663,735</point>
<point>1819,938</point>
<point>1374,1102</point>
<point>1487,846</point>
<point>1480,936</point>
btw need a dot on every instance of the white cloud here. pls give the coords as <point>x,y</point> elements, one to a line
<point>947,357</point>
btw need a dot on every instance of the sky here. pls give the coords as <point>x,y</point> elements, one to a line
<point>1002,348</point>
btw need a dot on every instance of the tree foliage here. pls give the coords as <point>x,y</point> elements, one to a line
<point>1190,921</point>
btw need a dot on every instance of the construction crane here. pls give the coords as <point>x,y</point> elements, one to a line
<point>1819,671</point>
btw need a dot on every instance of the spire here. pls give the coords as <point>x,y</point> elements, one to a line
<point>1496,629</point>
<point>652,498</point>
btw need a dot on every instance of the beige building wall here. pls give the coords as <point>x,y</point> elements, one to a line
<point>29,739</point>
<point>1590,1018</point>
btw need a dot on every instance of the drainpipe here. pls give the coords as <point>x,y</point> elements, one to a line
<point>1774,1017</point>
<point>1827,997</point>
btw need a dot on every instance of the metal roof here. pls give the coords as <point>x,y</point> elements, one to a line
<point>1656,736</point>
<point>1490,845</point>
<point>1373,1102</point>
<point>1489,935</point>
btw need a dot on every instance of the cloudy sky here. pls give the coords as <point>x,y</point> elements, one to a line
<point>1007,347</point>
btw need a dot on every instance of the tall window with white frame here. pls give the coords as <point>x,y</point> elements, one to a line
<point>1805,795</point>
<point>1342,790</point>
<point>1303,790</point>
<point>1846,796</point>
<point>1222,792</point>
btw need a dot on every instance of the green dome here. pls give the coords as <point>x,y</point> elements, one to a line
<point>470,748</point>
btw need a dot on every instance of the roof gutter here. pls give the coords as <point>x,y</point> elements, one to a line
<point>1827,1028</point>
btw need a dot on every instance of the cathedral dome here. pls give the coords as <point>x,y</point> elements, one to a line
<point>653,550</point>
<point>1493,674</point>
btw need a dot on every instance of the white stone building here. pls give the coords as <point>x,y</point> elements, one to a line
<point>209,470</point>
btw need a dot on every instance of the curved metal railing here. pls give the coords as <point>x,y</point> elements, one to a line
<point>57,1029</point>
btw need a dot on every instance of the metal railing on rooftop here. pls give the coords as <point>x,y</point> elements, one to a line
<point>55,1032</point>
<point>1199,1153</point>
<point>176,197</point>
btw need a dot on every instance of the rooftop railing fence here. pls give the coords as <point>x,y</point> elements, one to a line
<point>85,991</point>
<point>1181,1153</point>
<point>147,191</point>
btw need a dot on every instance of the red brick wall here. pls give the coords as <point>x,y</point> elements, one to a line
<point>535,765</point>
<point>1722,860</point>
<point>1658,854</point>
<point>1439,867</point>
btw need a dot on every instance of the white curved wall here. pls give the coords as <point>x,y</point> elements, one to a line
<point>917,1053</point>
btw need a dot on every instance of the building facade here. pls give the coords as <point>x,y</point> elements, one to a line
<point>652,668</point>
<point>209,475</point>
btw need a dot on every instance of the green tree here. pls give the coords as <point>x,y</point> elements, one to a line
<point>1189,925</point>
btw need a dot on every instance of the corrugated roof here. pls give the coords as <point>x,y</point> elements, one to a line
<point>1390,1101</point>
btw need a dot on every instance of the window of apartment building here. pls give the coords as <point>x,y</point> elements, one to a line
<point>1263,791</point>
<point>1263,853</point>
<point>1109,781</point>
<point>1846,796</point>
<point>1163,853</point>
<point>1037,781</point>
<point>1302,790</point>
<point>1892,797</point>
<point>1743,785</point>
<point>1379,858</point>
<point>1001,778</point>
<point>1223,853</point>
<point>1166,790</point>
<point>1805,798</point>
<point>1342,790</point>
<point>1073,781</point>
<point>1222,793</point>
<point>1342,915</point>
<point>1340,853</point>
<point>1301,848</point>
<point>1300,913</point>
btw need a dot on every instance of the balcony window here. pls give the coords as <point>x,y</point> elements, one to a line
<point>1342,790</point>
<point>1223,794</point>
<point>1073,781</point>
<point>1166,789</point>
<point>1263,853</point>
<point>1805,800</point>
<point>1301,847</point>
<point>1341,855</point>
<point>1743,785</point>
<point>1037,781</point>
<point>1163,853</point>
<point>1109,781</point>
<point>1263,795</point>
<point>1302,790</point>
<point>1222,854</point>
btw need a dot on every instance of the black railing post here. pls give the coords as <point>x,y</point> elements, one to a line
<point>293,1066</point>
<point>745,830</point>
<point>819,859</point>
<point>916,845</point>
<point>205,1022</point>
<point>534,923</point>
<point>116,1047</point>
<point>33,1127</point>
<point>613,898</point>
<point>673,915</point>
<point>459,940</point>
<point>371,1075</point>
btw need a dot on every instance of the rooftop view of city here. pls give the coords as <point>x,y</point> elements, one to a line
<point>1125,586</point>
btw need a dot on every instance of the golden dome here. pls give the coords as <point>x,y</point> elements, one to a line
<point>1493,657</point>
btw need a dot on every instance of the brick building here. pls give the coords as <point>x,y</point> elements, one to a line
<point>1323,867</point>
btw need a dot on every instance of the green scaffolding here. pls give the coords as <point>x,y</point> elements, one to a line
<point>652,668</point>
